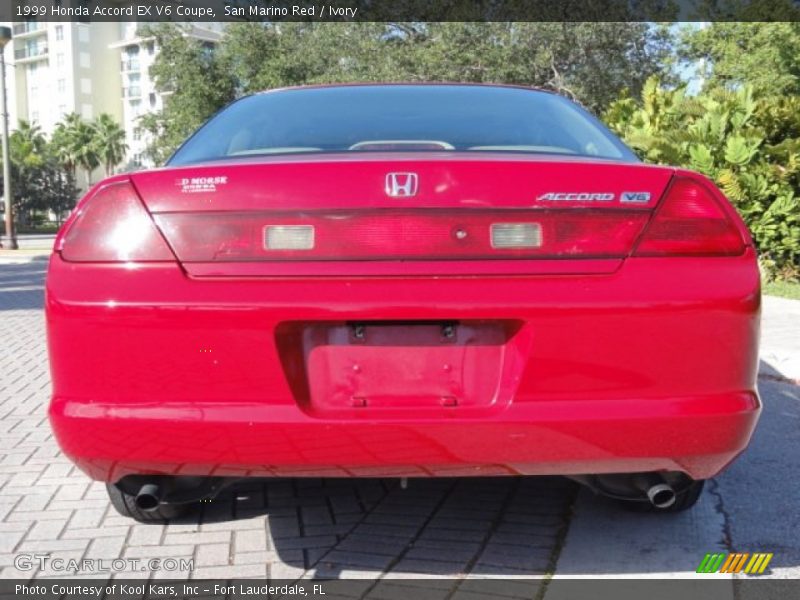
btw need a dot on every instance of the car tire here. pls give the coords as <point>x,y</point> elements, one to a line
<point>125,504</point>
<point>684,500</point>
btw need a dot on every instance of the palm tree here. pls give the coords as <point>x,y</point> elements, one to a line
<point>27,151</point>
<point>109,142</point>
<point>85,153</point>
<point>28,145</point>
<point>74,145</point>
<point>64,144</point>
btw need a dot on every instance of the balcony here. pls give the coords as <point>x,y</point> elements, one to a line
<point>27,28</point>
<point>133,91</point>
<point>130,65</point>
<point>30,53</point>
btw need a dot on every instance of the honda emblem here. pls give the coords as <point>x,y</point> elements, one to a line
<point>401,185</point>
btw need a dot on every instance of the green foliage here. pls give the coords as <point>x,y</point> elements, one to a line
<point>40,183</point>
<point>762,55</point>
<point>40,190</point>
<point>43,171</point>
<point>63,147</point>
<point>27,146</point>
<point>75,144</point>
<point>108,141</point>
<point>590,62</point>
<point>749,146</point>
<point>195,81</point>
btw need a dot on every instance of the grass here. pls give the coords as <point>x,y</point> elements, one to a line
<point>784,289</point>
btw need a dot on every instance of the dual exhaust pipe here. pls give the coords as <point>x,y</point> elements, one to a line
<point>659,493</point>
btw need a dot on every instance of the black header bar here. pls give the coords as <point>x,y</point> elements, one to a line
<point>399,10</point>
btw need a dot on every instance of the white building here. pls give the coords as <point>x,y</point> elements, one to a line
<point>139,95</point>
<point>58,68</point>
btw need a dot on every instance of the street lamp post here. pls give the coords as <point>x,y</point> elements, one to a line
<point>9,241</point>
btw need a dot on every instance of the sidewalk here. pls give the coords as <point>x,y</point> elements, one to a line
<point>21,256</point>
<point>780,338</point>
<point>30,247</point>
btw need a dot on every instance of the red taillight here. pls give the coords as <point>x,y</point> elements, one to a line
<point>690,222</point>
<point>412,234</point>
<point>113,226</point>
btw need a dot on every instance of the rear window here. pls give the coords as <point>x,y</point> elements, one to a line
<point>453,118</point>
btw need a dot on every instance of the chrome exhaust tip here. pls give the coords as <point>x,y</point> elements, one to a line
<point>661,495</point>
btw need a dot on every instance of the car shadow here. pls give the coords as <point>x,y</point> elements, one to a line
<point>364,528</point>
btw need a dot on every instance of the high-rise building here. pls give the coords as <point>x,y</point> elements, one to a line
<point>59,68</point>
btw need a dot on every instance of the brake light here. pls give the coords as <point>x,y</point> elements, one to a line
<point>690,222</point>
<point>402,234</point>
<point>113,226</point>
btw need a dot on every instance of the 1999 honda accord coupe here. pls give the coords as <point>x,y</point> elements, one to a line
<point>403,281</point>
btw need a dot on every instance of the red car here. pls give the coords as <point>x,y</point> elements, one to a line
<point>403,281</point>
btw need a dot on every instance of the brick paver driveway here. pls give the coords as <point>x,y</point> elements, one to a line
<point>367,528</point>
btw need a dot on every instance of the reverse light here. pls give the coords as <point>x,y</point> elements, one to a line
<point>691,222</point>
<point>289,237</point>
<point>516,235</point>
<point>113,226</point>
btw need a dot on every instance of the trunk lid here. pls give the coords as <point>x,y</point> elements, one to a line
<point>427,213</point>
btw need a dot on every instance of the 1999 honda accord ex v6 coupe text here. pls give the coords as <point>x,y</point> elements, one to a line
<point>403,281</point>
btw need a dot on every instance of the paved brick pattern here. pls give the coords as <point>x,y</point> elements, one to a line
<point>451,530</point>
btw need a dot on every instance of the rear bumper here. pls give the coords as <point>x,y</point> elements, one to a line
<point>698,436</point>
<point>651,367</point>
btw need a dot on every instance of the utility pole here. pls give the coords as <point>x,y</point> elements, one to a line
<point>9,240</point>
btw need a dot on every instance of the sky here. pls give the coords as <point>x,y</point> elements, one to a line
<point>690,71</point>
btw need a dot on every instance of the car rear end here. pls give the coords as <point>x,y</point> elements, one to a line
<point>421,312</point>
